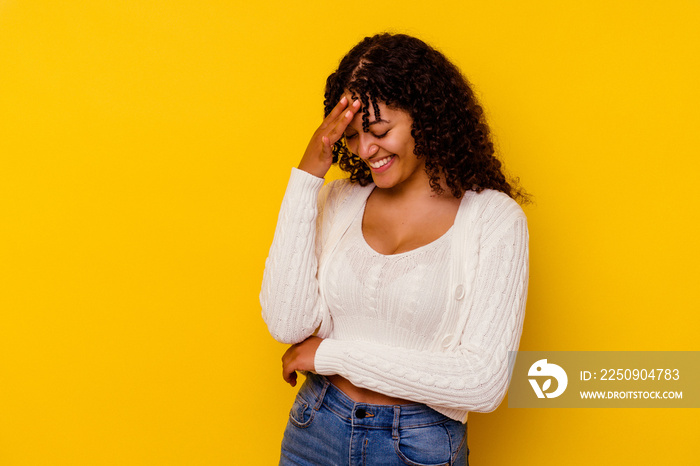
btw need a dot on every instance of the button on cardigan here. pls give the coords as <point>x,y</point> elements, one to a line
<point>467,367</point>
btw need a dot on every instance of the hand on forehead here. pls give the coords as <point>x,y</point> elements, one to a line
<point>358,116</point>
<point>351,97</point>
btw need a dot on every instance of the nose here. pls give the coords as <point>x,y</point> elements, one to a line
<point>366,147</point>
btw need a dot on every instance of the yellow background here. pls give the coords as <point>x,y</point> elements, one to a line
<point>144,149</point>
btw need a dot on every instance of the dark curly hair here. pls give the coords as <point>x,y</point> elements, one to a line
<point>449,126</point>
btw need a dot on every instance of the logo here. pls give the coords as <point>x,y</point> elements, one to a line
<point>543,369</point>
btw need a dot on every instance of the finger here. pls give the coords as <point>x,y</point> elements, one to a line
<point>343,118</point>
<point>286,360</point>
<point>289,376</point>
<point>326,145</point>
<point>337,110</point>
<point>342,123</point>
<point>331,134</point>
<point>287,373</point>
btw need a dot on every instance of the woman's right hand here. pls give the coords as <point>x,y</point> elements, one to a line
<point>318,157</point>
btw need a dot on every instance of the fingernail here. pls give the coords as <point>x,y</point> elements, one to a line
<point>348,113</point>
<point>343,100</point>
<point>356,103</point>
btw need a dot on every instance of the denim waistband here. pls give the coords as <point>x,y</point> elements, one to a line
<point>318,391</point>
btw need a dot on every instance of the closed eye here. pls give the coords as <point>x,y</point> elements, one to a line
<point>354,135</point>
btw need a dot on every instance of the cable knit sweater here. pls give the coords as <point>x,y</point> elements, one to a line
<point>465,367</point>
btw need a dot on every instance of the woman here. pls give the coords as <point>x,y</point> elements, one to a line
<point>401,289</point>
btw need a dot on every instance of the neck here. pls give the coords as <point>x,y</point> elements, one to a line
<point>416,188</point>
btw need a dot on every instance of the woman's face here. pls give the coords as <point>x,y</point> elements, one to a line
<point>387,148</point>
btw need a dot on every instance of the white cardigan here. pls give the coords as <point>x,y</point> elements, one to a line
<point>467,368</point>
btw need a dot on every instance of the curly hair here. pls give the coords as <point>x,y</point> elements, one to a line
<point>449,127</point>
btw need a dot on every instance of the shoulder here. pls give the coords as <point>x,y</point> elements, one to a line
<point>492,213</point>
<point>492,204</point>
<point>337,187</point>
<point>337,192</point>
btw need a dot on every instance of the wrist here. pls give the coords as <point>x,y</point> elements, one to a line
<point>315,169</point>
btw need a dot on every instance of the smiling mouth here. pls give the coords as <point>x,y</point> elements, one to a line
<point>380,163</point>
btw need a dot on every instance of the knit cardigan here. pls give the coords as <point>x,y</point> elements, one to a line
<point>467,368</point>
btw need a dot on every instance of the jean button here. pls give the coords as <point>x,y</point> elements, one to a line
<point>360,413</point>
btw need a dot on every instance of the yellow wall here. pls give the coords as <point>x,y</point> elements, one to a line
<point>144,149</point>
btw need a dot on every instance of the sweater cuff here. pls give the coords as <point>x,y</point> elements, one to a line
<point>301,197</point>
<point>329,358</point>
<point>301,182</point>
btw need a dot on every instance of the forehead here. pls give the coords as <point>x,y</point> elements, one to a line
<point>386,114</point>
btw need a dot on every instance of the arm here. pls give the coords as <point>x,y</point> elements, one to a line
<point>289,296</point>
<point>474,375</point>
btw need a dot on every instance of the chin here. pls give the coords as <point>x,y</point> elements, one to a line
<point>383,183</point>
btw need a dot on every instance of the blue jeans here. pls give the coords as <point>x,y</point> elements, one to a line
<point>326,427</point>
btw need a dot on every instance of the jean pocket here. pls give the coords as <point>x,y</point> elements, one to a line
<point>425,446</point>
<point>301,413</point>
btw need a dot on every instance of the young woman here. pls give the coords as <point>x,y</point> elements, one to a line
<point>402,288</point>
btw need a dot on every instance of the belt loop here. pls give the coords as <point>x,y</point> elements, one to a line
<point>319,400</point>
<point>395,426</point>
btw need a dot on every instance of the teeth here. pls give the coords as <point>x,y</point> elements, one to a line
<point>381,163</point>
